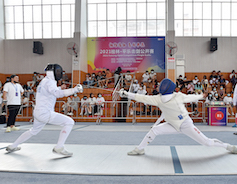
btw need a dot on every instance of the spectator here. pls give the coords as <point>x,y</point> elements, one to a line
<point>94,79</point>
<point>152,76</point>
<point>217,97</point>
<point>72,104</point>
<point>88,80</point>
<point>198,88</point>
<point>135,86</point>
<point>34,79</point>
<point>222,81</point>
<point>117,73</point>
<point>100,104</point>
<point>12,92</point>
<point>38,79</point>
<point>65,77</point>
<point>228,100</point>
<point>204,82</point>
<point>127,78</point>
<point>218,75</point>
<point>190,88</point>
<point>214,91</point>
<point>180,83</point>
<point>91,104</point>
<point>141,91</point>
<point>213,81</point>
<point>156,91</point>
<point>100,78</point>
<point>84,105</point>
<point>195,80</point>
<point>108,78</point>
<point>145,77</point>
<point>210,98</point>
<point>221,93</point>
<point>213,75</point>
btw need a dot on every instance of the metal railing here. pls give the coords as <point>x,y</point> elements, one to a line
<point>115,111</point>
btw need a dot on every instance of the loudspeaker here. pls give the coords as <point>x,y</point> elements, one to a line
<point>213,44</point>
<point>38,48</point>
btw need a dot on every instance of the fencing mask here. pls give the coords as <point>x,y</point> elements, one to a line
<point>57,70</point>
<point>167,87</point>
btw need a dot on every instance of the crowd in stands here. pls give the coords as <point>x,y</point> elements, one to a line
<point>215,84</point>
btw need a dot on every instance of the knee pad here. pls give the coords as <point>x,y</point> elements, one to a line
<point>150,136</point>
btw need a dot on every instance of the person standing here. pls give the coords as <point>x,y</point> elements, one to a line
<point>47,93</point>
<point>12,92</point>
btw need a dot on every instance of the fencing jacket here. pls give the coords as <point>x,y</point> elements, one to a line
<point>172,106</point>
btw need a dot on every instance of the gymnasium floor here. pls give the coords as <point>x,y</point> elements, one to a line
<point>100,156</point>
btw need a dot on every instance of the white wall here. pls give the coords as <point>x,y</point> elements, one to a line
<point>19,56</point>
<point>199,58</point>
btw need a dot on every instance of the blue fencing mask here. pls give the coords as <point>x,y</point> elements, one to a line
<point>167,87</point>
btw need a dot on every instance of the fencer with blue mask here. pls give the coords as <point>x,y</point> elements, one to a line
<point>46,95</point>
<point>177,120</point>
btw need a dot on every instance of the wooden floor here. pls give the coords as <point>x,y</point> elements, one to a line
<point>113,160</point>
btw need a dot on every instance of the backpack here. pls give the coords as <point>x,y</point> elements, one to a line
<point>2,119</point>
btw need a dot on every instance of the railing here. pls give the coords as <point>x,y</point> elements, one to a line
<point>116,111</point>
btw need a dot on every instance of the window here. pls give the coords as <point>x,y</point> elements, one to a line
<point>205,17</point>
<point>126,18</point>
<point>41,19</point>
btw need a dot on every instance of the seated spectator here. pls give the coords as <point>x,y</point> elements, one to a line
<point>221,93</point>
<point>218,75</point>
<point>213,75</point>
<point>100,79</point>
<point>214,91</point>
<point>213,81</point>
<point>34,79</point>
<point>100,104</point>
<point>135,86</point>
<point>91,104</point>
<point>228,100</point>
<point>195,80</point>
<point>190,88</point>
<point>222,81</point>
<point>72,104</point>
<point>25,101</point>
<point>198,88</point>
<point>127,78</point>
<point>204,82</point>
<point>180,83</point>
<point>217,97</point>
<point>84,106</point>
<point>145,77</point>
<point>210,98</point>
<point>152,77</point>
<point>143,86</point>
<point>141,91</point>
<point>94,79</point>
<point>88,80</point>
<point>65,77</point>
<point>108,78</point>
<point>38,79</point>
<point>155,91</point>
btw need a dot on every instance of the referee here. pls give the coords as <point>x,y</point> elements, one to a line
<point>12,92</point>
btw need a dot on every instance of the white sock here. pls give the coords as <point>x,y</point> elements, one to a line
<point>63,135</point>
<point>23,137</point>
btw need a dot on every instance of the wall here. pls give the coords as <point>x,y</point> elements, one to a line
<point>200,59</point>
<point>19,57</point>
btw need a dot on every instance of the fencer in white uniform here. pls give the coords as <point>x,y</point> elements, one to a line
<point>176,116</point>
<point>47,93</point>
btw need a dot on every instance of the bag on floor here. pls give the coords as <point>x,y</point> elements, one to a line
<point>2,119</point>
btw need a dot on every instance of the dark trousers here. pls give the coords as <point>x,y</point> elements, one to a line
<point>13,111</point>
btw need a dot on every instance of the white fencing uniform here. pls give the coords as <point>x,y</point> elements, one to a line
<point>47,93</point>
<point>176,115</point>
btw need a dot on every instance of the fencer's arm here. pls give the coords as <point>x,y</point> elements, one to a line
<point>192,98</point>
<point>235,96</point>
<point>151,100</point>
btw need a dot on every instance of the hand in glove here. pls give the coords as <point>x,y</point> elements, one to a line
<point>123,93</point>
<point>78,88</point>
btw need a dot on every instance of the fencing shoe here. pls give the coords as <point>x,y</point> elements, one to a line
<point>62,151</point>
<point>15,128</point>
<point>136,151</point>
<point>9,149</point>
<point>232,149</point>
<point>8,129</point>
